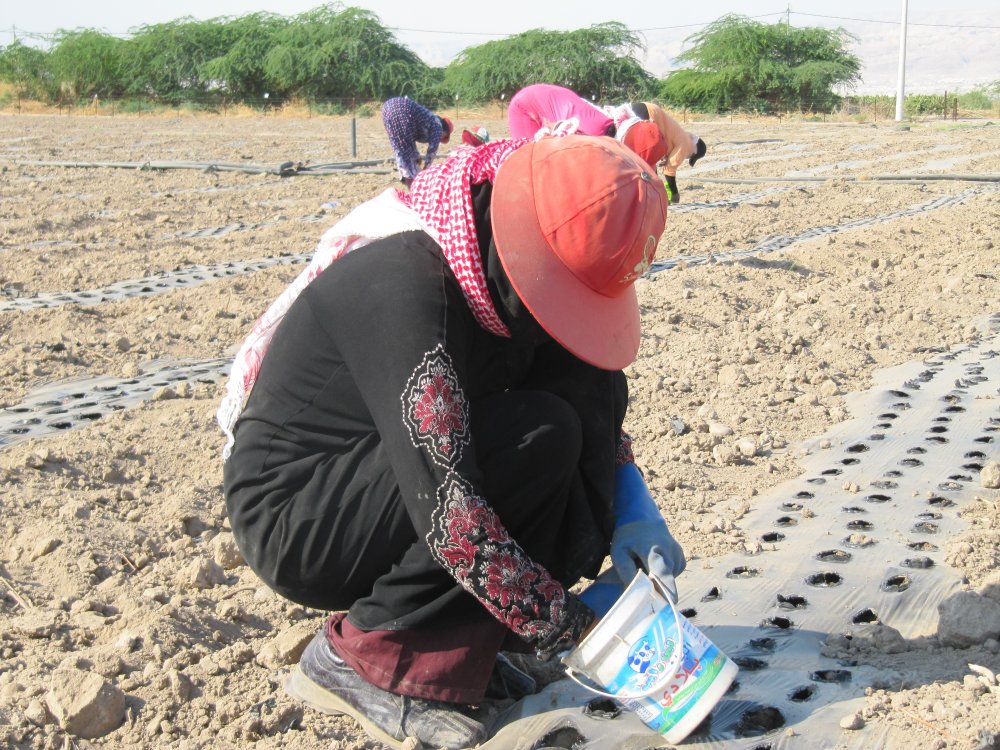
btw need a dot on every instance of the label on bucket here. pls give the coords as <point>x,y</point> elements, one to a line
<point>648,657</point>
<point>702,664</point>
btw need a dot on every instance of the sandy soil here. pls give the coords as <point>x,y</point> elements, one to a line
<point>115,554</point>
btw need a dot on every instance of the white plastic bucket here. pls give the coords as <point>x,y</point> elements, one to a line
<point>645,654</point>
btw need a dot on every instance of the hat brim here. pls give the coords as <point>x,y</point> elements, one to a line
<point>602,331</point>
<point>471,139</point>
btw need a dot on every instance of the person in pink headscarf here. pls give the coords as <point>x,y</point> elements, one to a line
<point>542,105</point>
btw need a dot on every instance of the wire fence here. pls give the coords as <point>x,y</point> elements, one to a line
<point>873,109</point>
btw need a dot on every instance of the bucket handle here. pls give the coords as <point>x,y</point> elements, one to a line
<point>673,665</point>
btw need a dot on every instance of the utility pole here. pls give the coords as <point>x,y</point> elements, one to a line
<point>788,15</point>
<point>901,76</point>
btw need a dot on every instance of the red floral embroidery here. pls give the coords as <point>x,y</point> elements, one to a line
<point>469,540</point>
<point>438,411</point>
<point>435,410</point>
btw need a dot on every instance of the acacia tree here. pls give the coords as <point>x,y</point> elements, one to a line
<point>166,59</point>
<point>26,68</point>
<point>599,62</point>
<point>240,70</point>
<point>87,62</point>
<point>737,62</point>
<point>336,52</point>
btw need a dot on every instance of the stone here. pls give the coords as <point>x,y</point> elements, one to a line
<point>990,588</point>
<point>287,646</point>
<point>829,388</point>
<point>37,714</point>
<point>888,640</point>
<point>44,547</point>
<point>717,428</point>
<point>725,455</point>
<point>852,722</point>
<point>84,704</point>
<point>967,619</point>
<point>202,574</point>
<point>732,375</point>
<point>989,476</point>
<point>36,623</point>
<point>226,553</point>
<point>746,447</point>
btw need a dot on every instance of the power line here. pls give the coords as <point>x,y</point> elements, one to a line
<point>48,36</point>
<point>707,23</point>
<point>896,23</point>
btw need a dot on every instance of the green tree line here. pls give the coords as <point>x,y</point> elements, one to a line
<point>342,53</point>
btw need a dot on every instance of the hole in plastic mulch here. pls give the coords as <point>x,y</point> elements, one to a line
<point>896,583</point>
<point>831,675</point>
<point>786,521</point>
<point>826,579</point>
<point>772,536</point>
<point>792,601</point>
<point>923,546</point>
<point>566,738</point>
<point>791,506</point>
<point>758,721</point>
<point>778,623</point>
<point>884,484</point>
<point>802,694</point>
<point>859,541</point>
<point>918,562</point>
<point>940,502</point>
<point>602,708</point>
<point>857,448</point>
<point>878,498</point>
<point>833,555</point>
<point>750,663</point>
<point>742,571</point>
<point>853,509</point>
<point>763,644</point>
<point>865,616</point>
<point>713,594</point>
<point>925,527</point>
<point>860,525</point>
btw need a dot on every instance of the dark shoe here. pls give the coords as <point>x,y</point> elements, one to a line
<point>323,681</point>
<point>507,682</point>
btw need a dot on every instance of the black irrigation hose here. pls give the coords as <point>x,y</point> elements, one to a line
<point>853,178</point>
<point>286,169</point>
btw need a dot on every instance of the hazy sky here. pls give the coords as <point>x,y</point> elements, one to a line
<point>940,55</point>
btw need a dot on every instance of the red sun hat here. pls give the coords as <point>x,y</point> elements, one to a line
<point>447,129</point>
<point>576,221</point>
<point>475,137</point>
<point>645,139</point>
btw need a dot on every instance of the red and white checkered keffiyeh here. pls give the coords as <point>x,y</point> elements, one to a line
<point>439,203</point>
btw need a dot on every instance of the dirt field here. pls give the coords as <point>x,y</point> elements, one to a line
<point>121,591</point>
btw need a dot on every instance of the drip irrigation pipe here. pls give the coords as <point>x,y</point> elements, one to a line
<point>854,178</point>
<point>286,169</point>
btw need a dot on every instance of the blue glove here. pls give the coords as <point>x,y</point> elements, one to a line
<point>641,539</point>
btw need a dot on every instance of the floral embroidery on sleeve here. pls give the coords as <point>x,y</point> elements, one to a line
<point>624,454</point>
<point>468,539</point>
<point>435,410</point>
